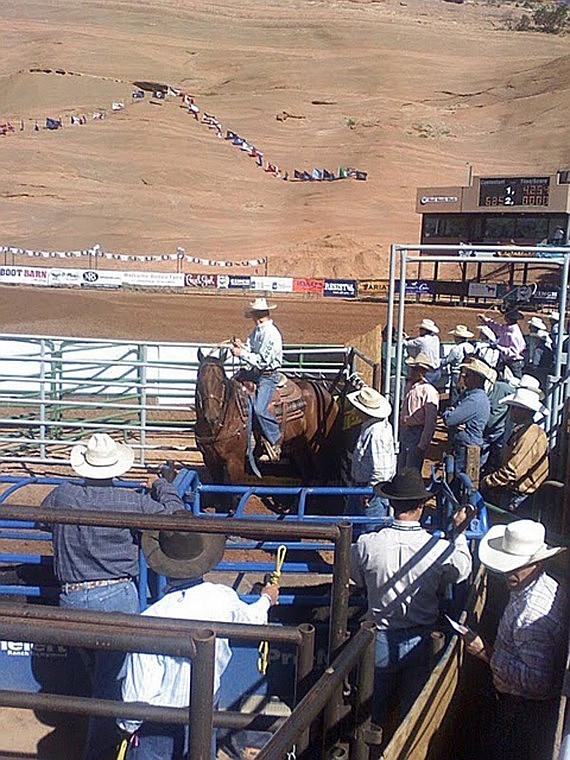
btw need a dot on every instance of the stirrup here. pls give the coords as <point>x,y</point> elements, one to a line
<point>273,452</point>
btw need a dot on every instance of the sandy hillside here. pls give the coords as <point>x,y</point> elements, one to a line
<point>366,79</point>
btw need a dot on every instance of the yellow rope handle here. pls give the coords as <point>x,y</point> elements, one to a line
<point>263,649</point>
<point>123,747</point>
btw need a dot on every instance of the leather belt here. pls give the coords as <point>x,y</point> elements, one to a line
<point>67,587</point>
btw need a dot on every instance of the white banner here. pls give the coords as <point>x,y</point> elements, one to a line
<point>154,279</point>
<point>23,276</point>
<point>272,284</point>
<point>102,278</point>
<point>67,278</point>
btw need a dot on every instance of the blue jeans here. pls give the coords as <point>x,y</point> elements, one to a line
<point>377,506</point>
<point>162,741</point>
<point>402,667</point>
<point>103,666</point>
<point>266,386</point>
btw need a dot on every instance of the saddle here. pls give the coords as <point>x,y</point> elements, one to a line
<point>287,403</point>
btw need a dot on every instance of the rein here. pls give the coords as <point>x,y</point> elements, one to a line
<point>218,425</point>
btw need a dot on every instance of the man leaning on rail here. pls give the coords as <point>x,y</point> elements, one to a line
<point>403,569</point>
<point>97,566</point>
<point>164,680</point>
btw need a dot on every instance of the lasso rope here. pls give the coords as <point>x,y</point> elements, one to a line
<point>263,649</point>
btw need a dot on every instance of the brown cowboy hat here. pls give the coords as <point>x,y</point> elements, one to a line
<point>180,554</point>
<point>408,485</point>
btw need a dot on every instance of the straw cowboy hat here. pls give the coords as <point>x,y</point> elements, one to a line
<point>421,360</point>
<point>408,485</point>
<point>525,398</point>
<point>505,548</point>
<point>181,554</point>
<point>461,331</point>
<point>486,332</point>
<point>259,304</point>
<point>372,403</point>
<point>101,458</point>
<point>479,367</point>
<point>530,383</point>
<point>537,323</point>
<point>429,325</point>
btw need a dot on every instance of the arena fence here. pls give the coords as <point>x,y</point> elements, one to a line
<point>54,390</point>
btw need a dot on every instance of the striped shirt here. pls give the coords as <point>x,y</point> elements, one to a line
<point>528,656</point>
<point>374,458</point>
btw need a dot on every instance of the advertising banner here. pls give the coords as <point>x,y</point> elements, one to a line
<point>101,278</point>
<point>201,280</point>
<point>235,281</point>
<point>67,278</point>
<point>372,287</point>
<point>272,284</point>
<point>483,290</point>
<point>416,287</point>
<point>341,288</point>
<point>154,279</point>
<point>544,295</point>
<point>308,285</point>
<point>23,276</point>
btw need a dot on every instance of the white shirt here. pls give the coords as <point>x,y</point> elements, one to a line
<point>263,350</point>
<point>404,568</point>
<point>457,355</point>
<point>373,458</point>
<point>488,353</point>
<point>427,344</point>
<point>165,680</point>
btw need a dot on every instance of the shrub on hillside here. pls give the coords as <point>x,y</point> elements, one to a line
<point>550,18</point>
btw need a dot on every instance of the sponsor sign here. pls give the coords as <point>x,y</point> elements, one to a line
<point>238,281</point>
<point>483,290</point>
<point>416,287</point>
<point>372,287</point>
<point>438,199</point>
<point>450,288</point>
<point>340,288</point>
<point>101,278</point>
<point>25,649</point>
<point>272,284</point>
<point>201,280</point>
<point>154,279</point>
<point>23,275</point>
<point>65,277</point>
<point>308,285</point>
<point>546,296</point>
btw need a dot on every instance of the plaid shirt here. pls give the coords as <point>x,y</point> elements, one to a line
<point>528,656</point>
<point>88,552</point>
<point>373,458</point>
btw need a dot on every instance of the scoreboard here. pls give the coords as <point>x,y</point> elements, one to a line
<point>514,191</point>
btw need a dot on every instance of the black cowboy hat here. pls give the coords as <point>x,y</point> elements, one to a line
<point>514,315</point>
<point>408,485</point>
<point>180,554</point>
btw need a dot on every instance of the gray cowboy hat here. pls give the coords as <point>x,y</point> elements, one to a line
<point>180,554</point>
<point>408,485</point>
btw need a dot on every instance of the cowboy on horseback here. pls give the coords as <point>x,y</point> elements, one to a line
<point>263,353</point>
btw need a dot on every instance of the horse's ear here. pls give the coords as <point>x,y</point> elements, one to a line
<point>223,355</point>
<point>200,355</point>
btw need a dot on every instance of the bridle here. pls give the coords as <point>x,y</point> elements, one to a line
<point>217,424</point>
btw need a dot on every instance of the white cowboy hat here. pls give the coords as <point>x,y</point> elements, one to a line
<point>461,331</point>
<point>371,402</point>
<point>421,360</point>
<point>260,304</point>
<point>537,322</point>
<point>505,548</point>
<point>429,325</point>
<point>530,383</point>
<point>101,458</point>
<point>486,332</point>
<point>525,398</point>
<point>554,315</point>
<point>479,367</point>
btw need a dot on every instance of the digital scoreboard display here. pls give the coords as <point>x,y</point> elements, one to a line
<point>514,191</point>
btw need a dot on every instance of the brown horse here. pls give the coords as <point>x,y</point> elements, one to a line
<point>305,410</point>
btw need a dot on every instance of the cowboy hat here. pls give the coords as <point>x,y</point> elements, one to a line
<point>461,331</point>
<point>259,304</point>
<point>421,360</point>
<point>505,548</point>
<point>529,382</point>
<point>525,398</point>
<point>486,332</point>
<point>479,367</point>
<point>372,403</point>
<point>101,458</point>
<point>513,315</point>
<point>179,554</point>
<point>429,325</point>
<point>537,323</point>
<point>408,485</point>
<point>554,315</point>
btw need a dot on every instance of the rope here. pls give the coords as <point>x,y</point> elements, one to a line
<point>263,649</point>
<point>122,751</point>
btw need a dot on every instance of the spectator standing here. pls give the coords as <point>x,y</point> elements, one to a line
<point>165,680</point>
<point>458,353</point>
<point>97,566</point>
<point>403,569</point>
<point>539,357</point>
<point>419,414</point>
<point>495,430</point>
<point>373,457</point>
<point>428,343</point>
<point>510,340</point>
<point>528,657</point>
<point>485,348</point>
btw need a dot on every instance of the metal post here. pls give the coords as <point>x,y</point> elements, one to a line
<point>556,389</point>
<point>201,721</point>
<point>305,659</point>
<point>390,320</point>
<point>400,345</point>
<point>42,398</point>
<point>143,399</point>
<point>360,749</point>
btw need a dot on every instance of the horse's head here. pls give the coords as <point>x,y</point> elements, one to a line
<point>211,388</point>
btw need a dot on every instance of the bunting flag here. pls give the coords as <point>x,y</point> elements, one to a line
<point>96,251</point>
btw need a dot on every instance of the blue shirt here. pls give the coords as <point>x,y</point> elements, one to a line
<point>471,412</point>
<point>90,552</point>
